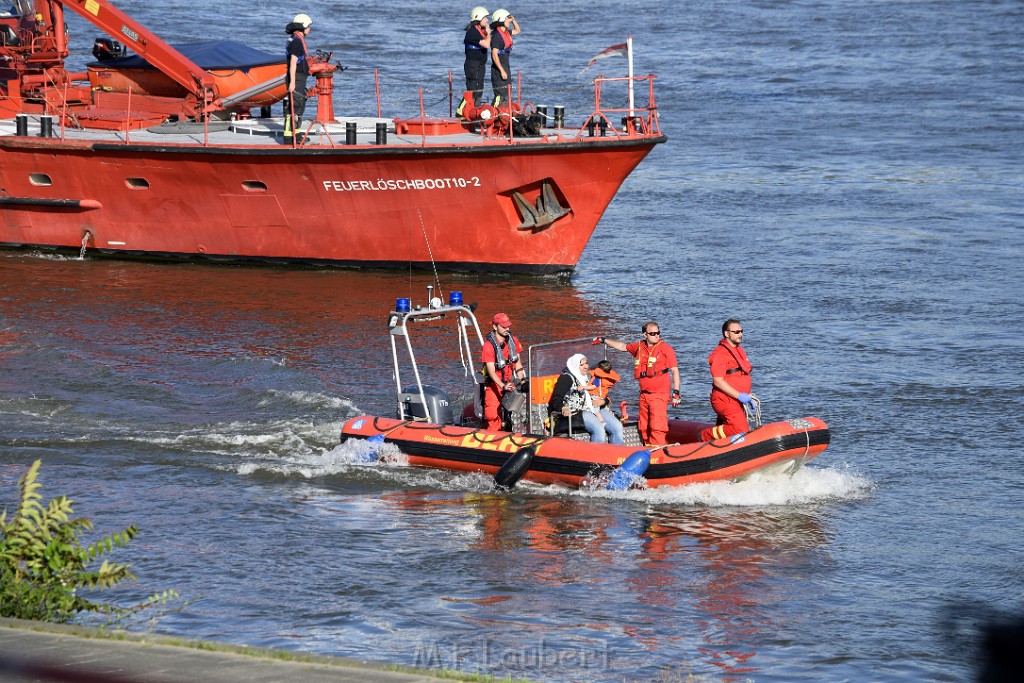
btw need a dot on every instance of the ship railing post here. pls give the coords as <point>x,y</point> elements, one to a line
<point>63,110</point>
<point>423,122</point>
<point>128,116</point>
<point>376,85</point>
<point>652,108</point>
<point>451,110</point>
<point>511,115</point>
<point>629,57</point>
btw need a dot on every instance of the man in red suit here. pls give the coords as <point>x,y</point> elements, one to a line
<point>730,383</point>
<point>657,372</point>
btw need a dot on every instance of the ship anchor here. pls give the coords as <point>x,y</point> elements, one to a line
<point>541,215</point>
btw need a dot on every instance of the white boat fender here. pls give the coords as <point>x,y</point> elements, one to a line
<point>515,467</point>
<point>628,472</point>
<point>372,454</point>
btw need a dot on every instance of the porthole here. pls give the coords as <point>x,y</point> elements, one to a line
<point>40,179</point>
<point>254,186</point>
<point>137,183</point>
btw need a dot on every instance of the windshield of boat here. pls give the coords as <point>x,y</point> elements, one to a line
<point>545,363</point>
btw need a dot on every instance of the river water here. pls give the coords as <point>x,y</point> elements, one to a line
<point>844,177</point>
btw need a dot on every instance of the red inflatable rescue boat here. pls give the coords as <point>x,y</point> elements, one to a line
<point>432,433</point>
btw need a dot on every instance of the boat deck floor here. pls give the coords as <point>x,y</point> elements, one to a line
<point>270,132</point>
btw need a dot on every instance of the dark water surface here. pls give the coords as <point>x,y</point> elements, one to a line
<point>845,177</point>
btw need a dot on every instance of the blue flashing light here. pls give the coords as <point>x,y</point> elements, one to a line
<point>455,299</point>
<point>402,305</point>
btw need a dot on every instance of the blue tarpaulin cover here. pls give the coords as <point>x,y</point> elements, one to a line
<point>210,54</point>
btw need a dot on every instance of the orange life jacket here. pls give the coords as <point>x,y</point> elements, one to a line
<point>506,38</point>
<point>603,381</point>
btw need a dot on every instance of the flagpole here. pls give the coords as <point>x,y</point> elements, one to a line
<point>629,56</point>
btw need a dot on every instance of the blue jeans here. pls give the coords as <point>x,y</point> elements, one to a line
<point>609,431</point>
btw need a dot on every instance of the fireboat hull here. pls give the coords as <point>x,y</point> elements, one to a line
<point>460,207</point>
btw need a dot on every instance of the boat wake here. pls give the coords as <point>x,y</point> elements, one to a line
<point>807,485</point>
<point>359,459</point>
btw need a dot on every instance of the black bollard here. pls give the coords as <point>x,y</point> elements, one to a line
<point>46,126</point>
<point>350,132</point>
<point>559,116</point>
<point>382,133</point>
<point>591,124</point>
<point>602,125</point>
<point>542,109</point>
<point>21,125</point>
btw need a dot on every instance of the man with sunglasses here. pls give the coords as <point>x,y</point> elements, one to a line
<point>730,383</point>
<point>657,371</point>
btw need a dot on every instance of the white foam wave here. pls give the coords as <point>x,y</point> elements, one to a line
<point>383,462</point>
<point>308,398</point>
<point>249,440</point>
<point>51,257</point>
<point>807,485</point>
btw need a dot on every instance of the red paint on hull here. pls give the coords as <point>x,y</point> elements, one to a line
<point>343,205</point>
<point>783,446</point>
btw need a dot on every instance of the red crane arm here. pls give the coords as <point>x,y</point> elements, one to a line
<point>145,43</point>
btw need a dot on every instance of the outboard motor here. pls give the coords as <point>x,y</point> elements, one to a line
<point>437,410</point>
<point>105,49</point>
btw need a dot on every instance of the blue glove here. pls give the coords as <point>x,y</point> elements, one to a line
<point>745,398</point>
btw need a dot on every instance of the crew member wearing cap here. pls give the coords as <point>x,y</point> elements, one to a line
<point>658,373</point>
<point>502,368</point>
<point>297,55</point>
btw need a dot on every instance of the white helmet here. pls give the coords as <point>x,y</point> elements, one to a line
<point>477,13</point>
<point>303,19</point>
<point>499,16</point>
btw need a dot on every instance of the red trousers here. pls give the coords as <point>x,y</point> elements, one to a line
<point>492,406</point>
<point>652,419</point>
<point>732,419</point>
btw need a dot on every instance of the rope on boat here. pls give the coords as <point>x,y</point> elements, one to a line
<point>674,456</point>
<point>753,411</point>
<point>440,429</point>
<point>376,420</point>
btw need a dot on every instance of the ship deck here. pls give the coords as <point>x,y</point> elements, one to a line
<point>269,132</point>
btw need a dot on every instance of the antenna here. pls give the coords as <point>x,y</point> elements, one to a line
<point>430,252</point>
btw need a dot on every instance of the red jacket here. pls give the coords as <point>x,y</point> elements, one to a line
<point>730,362</point>
<point>652,366</point>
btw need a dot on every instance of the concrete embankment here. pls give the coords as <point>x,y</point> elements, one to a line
<point>38,652</point>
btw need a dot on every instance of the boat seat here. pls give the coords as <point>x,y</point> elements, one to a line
<point>630,432</point>
<point>579,435</point>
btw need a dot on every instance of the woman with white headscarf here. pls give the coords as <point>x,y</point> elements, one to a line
<point>573,402</point>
